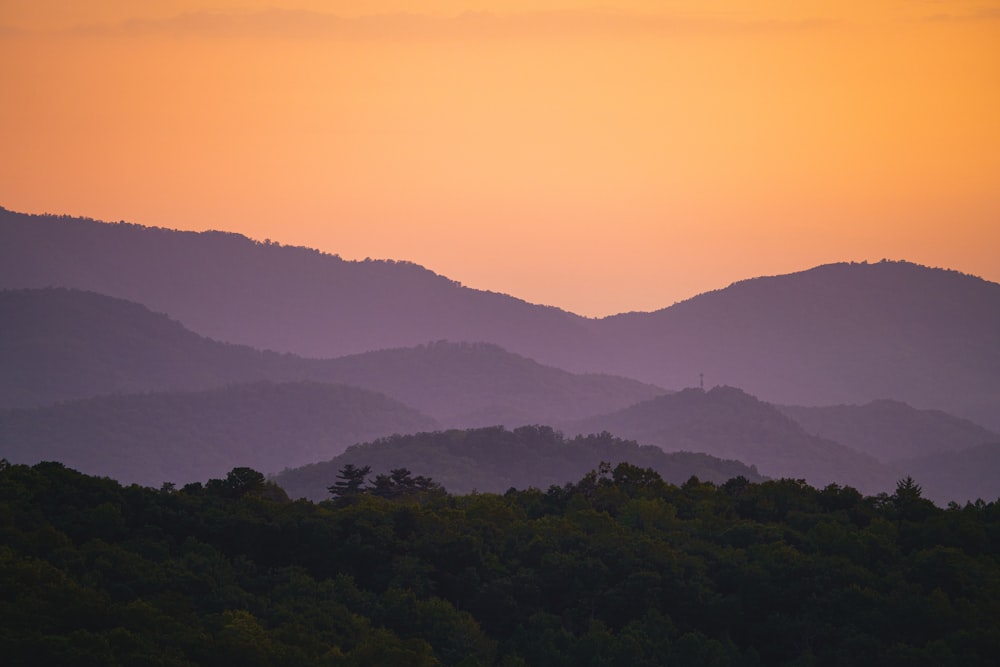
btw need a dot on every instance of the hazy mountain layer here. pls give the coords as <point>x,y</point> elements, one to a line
<point>59,344</point>
<point>890,430</point>
<point>964,476</point>
<point>495,459</point>
<point>480,384</point>
<point>190,436</point>
<point>841,333</point>
<point>729,423</point>
<point>231,288</point>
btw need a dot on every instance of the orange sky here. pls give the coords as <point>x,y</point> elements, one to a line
<point>595,159</point>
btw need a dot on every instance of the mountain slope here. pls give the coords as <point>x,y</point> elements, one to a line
<point>480,384</point>
<point>840,333</point>
<point>963,476</point>
<point>491,460</point>
<point>191,436</point>
<point>60,344</point>
<point>890,430</point>
<point>228,287</point>
<point>728,423</point>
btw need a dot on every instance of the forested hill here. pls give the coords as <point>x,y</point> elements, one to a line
<point>185,437</point>
<point>480,384</point>
<point>496,459</point>
<point>729,423</point>
<point>891,430</point>
<point>293,299</point>
<point>63,344</point>
<point>618,568</point>
<point>840,333</point>
<point>60,344</point>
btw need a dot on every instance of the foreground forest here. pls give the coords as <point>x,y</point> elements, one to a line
<point>619,568</point>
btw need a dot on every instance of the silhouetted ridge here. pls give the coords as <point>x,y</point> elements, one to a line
<point>496,459</point>
<point>729,423</point>
<point>266,295</point>
<point>190,436</point>
<point>890,430</point>
<point>840,333</point>
<point>481,384</point>
<point>961,476</point>
<point>64,344</point>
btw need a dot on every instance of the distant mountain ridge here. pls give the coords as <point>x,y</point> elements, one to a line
<point>190,436</point>
<point>492,460</point>
<point>60,344</point>
<point>290,299</point>
<point>481,384</point>
<point>890,430</point>
<point>959,476</point>
<point>728,423</point>
<point>840,333</point>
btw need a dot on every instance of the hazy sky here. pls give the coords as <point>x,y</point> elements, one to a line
<point>597,159</point>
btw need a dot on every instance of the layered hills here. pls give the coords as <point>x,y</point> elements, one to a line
<point>291,299</point>
<point>481,384</point>
<point>60,344</point>
<point>964,476</point>
<point>492,460</point>
<point>840,333</point>
<point>729,423</point>
<point>891,430</point>
<point>190,436</point>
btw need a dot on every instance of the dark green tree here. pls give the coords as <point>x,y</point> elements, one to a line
<point>350,483</point>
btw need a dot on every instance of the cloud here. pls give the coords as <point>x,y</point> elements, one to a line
<point>304,24</point>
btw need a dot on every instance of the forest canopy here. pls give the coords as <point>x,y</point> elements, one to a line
<point>619,568</point>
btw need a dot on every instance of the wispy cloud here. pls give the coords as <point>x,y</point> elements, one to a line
<point>983,14</point>
<point>303,24</point>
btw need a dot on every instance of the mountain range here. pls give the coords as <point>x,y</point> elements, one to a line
<point>126,378</point>
<point>183,437</point>
<point>729,423</point>
<point>840,333</point>
<point>60,344</point>
<point>891,430</point>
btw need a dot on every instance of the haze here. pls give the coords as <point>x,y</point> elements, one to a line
<point>599,160</point>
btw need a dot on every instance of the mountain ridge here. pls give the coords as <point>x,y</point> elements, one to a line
<point>728,423</point>
<point>63,344</point>
<point>838,333</point>
<point>186,436</point>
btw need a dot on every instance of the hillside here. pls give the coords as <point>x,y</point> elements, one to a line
<point>839,333</point>
<point>890,430</point>
<point>189,436</point>
<point>495,459</point>
<point>269,296</point>
<point>480,384</point>
<point>731,424</point>
<point>616,568</point>
<point>60,344</point>
<point>963,476</point>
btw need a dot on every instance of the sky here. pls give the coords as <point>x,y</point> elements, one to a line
<point>601,158</point>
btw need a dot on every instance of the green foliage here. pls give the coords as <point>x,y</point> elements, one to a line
<point>617,568</point>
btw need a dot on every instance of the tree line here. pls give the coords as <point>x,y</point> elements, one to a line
<point>616,568</point>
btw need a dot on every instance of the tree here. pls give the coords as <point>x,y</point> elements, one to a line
<point>350,483</point>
